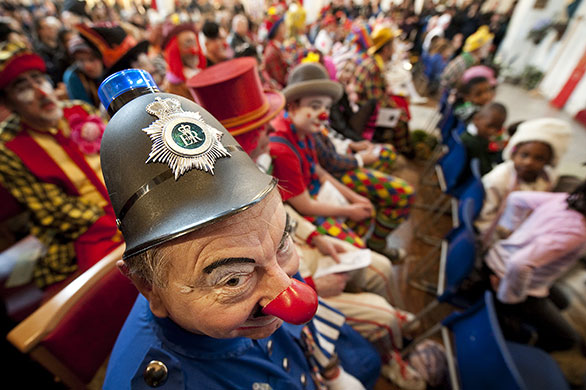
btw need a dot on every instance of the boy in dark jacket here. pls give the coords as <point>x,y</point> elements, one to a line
<point>483,128</point>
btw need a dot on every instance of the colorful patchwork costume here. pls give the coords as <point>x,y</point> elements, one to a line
<point>294,165</point>
<point>371,84</point>
<point>391,196</point>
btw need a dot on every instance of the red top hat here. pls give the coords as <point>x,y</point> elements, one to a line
<point>231,91</point>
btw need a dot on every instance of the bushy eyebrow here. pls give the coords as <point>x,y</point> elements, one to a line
<point>225,262</point>
<point>240,260</point>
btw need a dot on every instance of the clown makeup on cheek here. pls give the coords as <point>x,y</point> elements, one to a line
<point>26,96</point>
<point>25,92</point>
<point>310,113</point>
<point>46,87</point>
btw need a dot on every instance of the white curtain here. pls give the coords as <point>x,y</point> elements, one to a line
<point>516,50</point>
<point>571,50</point>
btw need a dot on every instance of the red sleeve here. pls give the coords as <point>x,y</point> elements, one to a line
<point>287,169</point>
<point>310,282</point>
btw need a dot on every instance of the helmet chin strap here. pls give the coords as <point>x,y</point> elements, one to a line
<point>296,304</point>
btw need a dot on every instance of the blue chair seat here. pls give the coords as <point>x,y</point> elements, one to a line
<point>538,370</point>
<point>486,361</point>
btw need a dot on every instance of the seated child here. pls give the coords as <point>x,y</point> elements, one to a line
<point>472,95</point>
<point>530,156</point>
<point>485,125</point>
<point>543,235</point>
<point>435,62</point>
<point>309,95</point>
<point>368,172</point>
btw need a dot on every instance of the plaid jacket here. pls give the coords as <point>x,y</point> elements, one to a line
<point>59,215</point>
<point>455,70</point>
<point>336,164</point>
<point>371,84</point>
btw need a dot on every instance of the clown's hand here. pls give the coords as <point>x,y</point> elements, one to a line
<point>344,381</point>
<point>328,247</point>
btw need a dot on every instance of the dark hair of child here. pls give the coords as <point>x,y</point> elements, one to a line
<point>440,47</point>
<point>465,88</point>
<point>494,107</point>
<point>577,199</point>
<point>512,129</point>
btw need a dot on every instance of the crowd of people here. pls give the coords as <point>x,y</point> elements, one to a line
<point>322,110</point>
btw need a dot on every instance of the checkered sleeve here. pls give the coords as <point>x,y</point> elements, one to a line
<point>453,72</point>
<point>370,84</point>
<point>52,209</point>
<point>363,84</point>
<point>336,164</point>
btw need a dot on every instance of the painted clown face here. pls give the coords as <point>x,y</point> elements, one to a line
<point>188,48</point>
<point>31,95</point>
<point>310,113</point>
<point>220,278</point>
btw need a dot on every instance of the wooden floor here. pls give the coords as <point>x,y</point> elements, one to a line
<point>405,237</point>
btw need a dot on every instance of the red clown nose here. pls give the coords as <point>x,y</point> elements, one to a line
<point>296,304</point>
<point>323,116</point>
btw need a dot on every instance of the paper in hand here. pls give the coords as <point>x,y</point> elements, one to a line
<point>388,117</point>
<point>349,261</point>
<point>328,193</point>
<point>19,261</point>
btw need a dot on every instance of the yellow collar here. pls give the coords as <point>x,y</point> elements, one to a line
<point>379,61</point>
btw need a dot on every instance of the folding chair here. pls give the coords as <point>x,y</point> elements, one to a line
<point>485,361</point>
<point>446,123</point>
<point>73,333</point>
<point>449,169</point>
<point>472,189</point>
<point>457,261</point>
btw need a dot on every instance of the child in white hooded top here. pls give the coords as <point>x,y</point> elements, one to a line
<point>530,160</point>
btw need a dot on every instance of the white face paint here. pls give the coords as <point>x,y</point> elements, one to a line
<point>26,96</point>
<point>309,114</point>
<point>32,97</point>
<point>46,87</point>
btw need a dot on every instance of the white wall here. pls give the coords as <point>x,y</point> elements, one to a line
<point>516,50</point>
<point>572,48</point>
<point>500,6</point>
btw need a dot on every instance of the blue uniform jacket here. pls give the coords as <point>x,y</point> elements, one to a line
<point>201,362</point>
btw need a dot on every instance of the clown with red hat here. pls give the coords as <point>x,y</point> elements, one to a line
<point>45,169</point>
<point>117,49</point>
<point>183,55</point>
